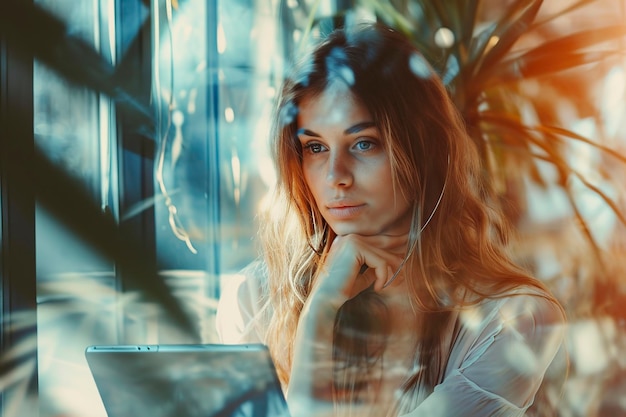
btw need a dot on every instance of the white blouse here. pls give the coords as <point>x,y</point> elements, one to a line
<point>499,349</point>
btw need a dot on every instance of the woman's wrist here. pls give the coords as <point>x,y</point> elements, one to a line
<point>323,306</point>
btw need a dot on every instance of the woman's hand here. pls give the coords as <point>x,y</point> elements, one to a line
<point>342,277</point>
<point>353,264</point>
<point>343,274</point>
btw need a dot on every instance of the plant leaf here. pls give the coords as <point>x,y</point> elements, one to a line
<point>508,30</point>
<point>569,9</point>
<point>608,200</point>
<point>538,66</point>
<point>556,132</point>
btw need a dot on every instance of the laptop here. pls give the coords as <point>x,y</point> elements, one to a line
<point>209,380</point>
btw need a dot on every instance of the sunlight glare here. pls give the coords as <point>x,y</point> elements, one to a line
<point>297,35</point>
<point>587,347</point>
<point>229,114</point>
<point>614,95</point>
<point>419,66</point>
<point>221,39</point>
<point>493,41</point>
<point>521,358</point>
<point>444,37</point>
<point>471,318</point>
<point>288,113</point>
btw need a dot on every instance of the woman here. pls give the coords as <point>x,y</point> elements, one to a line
<point>385,287</point>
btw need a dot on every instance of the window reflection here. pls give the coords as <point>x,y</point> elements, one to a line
<point>212,93</point>
<point>230,82</point>
<point>76,287</point>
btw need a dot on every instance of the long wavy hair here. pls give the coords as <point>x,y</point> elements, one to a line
<point>457,252</point>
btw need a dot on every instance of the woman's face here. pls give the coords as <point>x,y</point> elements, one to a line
<point>347,168</point>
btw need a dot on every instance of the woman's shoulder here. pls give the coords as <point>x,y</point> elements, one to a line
<point>254,274</point>
<point>502,347</point>
<point>533,302</point>
<point>531,312</point>
<point>243,305</point>
<point>248,285</point>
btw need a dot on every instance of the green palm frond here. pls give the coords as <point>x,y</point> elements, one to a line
<point>501,37</point>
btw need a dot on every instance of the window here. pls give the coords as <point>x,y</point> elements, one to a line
<point>161,120</point>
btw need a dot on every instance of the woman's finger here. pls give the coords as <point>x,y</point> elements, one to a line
<point>343,270</point>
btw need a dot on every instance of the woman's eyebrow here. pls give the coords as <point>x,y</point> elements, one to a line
<point>306,132</point>
<point>351,130</point>
<point>358,127</point>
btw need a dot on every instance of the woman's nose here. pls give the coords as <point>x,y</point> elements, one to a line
<point>339,172</point>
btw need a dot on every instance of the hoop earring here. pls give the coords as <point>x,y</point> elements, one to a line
<point>319,250</point>
<point>419,234</point>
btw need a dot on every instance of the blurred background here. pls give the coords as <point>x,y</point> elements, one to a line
<point>134,158</point>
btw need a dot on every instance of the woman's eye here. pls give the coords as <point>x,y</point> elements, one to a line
<point>364,145</point>
<point>314,147</point>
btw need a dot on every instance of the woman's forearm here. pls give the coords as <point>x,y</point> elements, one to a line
<point>310,386</point>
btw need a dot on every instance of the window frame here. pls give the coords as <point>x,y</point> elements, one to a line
<point>133,166</point>
<point>17,207</point>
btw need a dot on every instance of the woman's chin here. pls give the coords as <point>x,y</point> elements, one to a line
<point>344,230</point>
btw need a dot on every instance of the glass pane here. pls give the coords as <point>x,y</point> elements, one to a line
<point>185,201</point>
<point>211,172</point>
<point>75,290</point>
<point>222,89</point>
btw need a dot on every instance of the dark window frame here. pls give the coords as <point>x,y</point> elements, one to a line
<point>17,254</point>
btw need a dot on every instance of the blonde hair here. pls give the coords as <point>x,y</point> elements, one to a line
<point>458,234</point>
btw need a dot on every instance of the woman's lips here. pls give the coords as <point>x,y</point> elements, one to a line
<point>345,212</point>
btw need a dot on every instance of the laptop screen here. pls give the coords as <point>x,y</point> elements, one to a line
<point>187,381</point>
